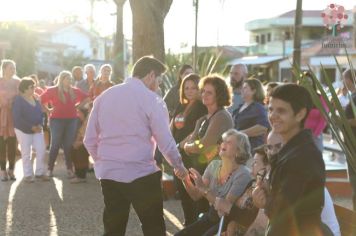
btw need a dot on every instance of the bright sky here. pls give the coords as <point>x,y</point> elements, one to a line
<point>221,22</point>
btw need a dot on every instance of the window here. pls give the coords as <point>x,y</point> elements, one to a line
<point>287,35</point>
<point>269,37</point>
<point>257,38</point>
<point>263,39</point>
<point>286,75</point>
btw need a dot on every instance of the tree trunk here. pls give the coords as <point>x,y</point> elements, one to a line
<point>119,53</point>
<point>147,27</point>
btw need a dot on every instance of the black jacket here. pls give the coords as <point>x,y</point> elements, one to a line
<point>297,180</point>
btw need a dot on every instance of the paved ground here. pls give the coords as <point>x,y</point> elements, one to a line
<point>60,208</point>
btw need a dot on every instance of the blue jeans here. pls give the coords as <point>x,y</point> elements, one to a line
<point>63,132</point>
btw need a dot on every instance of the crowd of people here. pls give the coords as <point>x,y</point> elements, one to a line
<point>29,110</point>
<point>219,137</point>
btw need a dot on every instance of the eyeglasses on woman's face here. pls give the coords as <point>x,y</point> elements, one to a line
<point>273,148</point>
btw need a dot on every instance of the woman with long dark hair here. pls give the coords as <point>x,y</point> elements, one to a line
<point>183,122</point>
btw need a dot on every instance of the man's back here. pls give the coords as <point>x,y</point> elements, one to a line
<point>128,117</point>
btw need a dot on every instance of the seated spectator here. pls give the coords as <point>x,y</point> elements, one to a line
<point>226,178</point>
<point>294,197</point>
<point>242,213</point>
<point>251,117</point>
<point>183,122</point>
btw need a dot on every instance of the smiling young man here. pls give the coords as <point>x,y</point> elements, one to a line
<point>297,178</point>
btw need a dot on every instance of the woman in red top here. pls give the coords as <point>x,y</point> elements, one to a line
<point>102,83</point>
<point>8,90</point>
<point>64,100</point>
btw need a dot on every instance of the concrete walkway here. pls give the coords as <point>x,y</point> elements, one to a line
<point>64,209</point>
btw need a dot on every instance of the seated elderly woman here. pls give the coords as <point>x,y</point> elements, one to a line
<point>226,178</point>
<point>243,213</point>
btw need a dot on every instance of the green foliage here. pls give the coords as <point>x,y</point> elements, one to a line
<point>336,117</point>
<point>23,43</point>
<point>72,59</point>
<point>209,62</point>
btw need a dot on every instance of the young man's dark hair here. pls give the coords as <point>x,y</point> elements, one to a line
<point>145,65</point>
<point>297,96</point>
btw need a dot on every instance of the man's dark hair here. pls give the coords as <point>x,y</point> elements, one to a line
<point>145,65</point>
<point>297,96</point>
<point>25,83</point>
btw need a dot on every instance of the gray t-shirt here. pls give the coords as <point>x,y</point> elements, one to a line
<point>235,185</point>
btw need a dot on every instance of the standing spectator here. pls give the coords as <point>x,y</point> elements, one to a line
<point>238,74</point>
<point>251,117</point>
<point>64,99</point>
<point>343,97</point>
<point>122,142</point>
<point>77,73</point>
<point>187,113</point>
<point>315,120</point>
<point>38,89</point>
<point>28,122</point>
<point>86,83</point>
<point>349,82</point>
<point>102,83</point>
<point>172,96</point>
<point>297,179</point>
<point>8,90</point>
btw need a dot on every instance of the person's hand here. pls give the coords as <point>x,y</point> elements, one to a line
<point>222,206</point>
<point>188,147</point>
<point>231,228</point>
<point>181,172</point>
<point>77,144</point>
<point>198,180</point>
<point>259,195</point>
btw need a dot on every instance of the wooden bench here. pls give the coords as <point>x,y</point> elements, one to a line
<point>347,220</point>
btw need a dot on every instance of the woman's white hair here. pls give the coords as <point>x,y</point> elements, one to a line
<point>243,145</point>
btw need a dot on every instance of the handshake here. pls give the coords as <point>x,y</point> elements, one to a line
<point>181,172</point>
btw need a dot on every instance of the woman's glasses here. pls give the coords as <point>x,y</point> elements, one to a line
<point>273,147</point>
